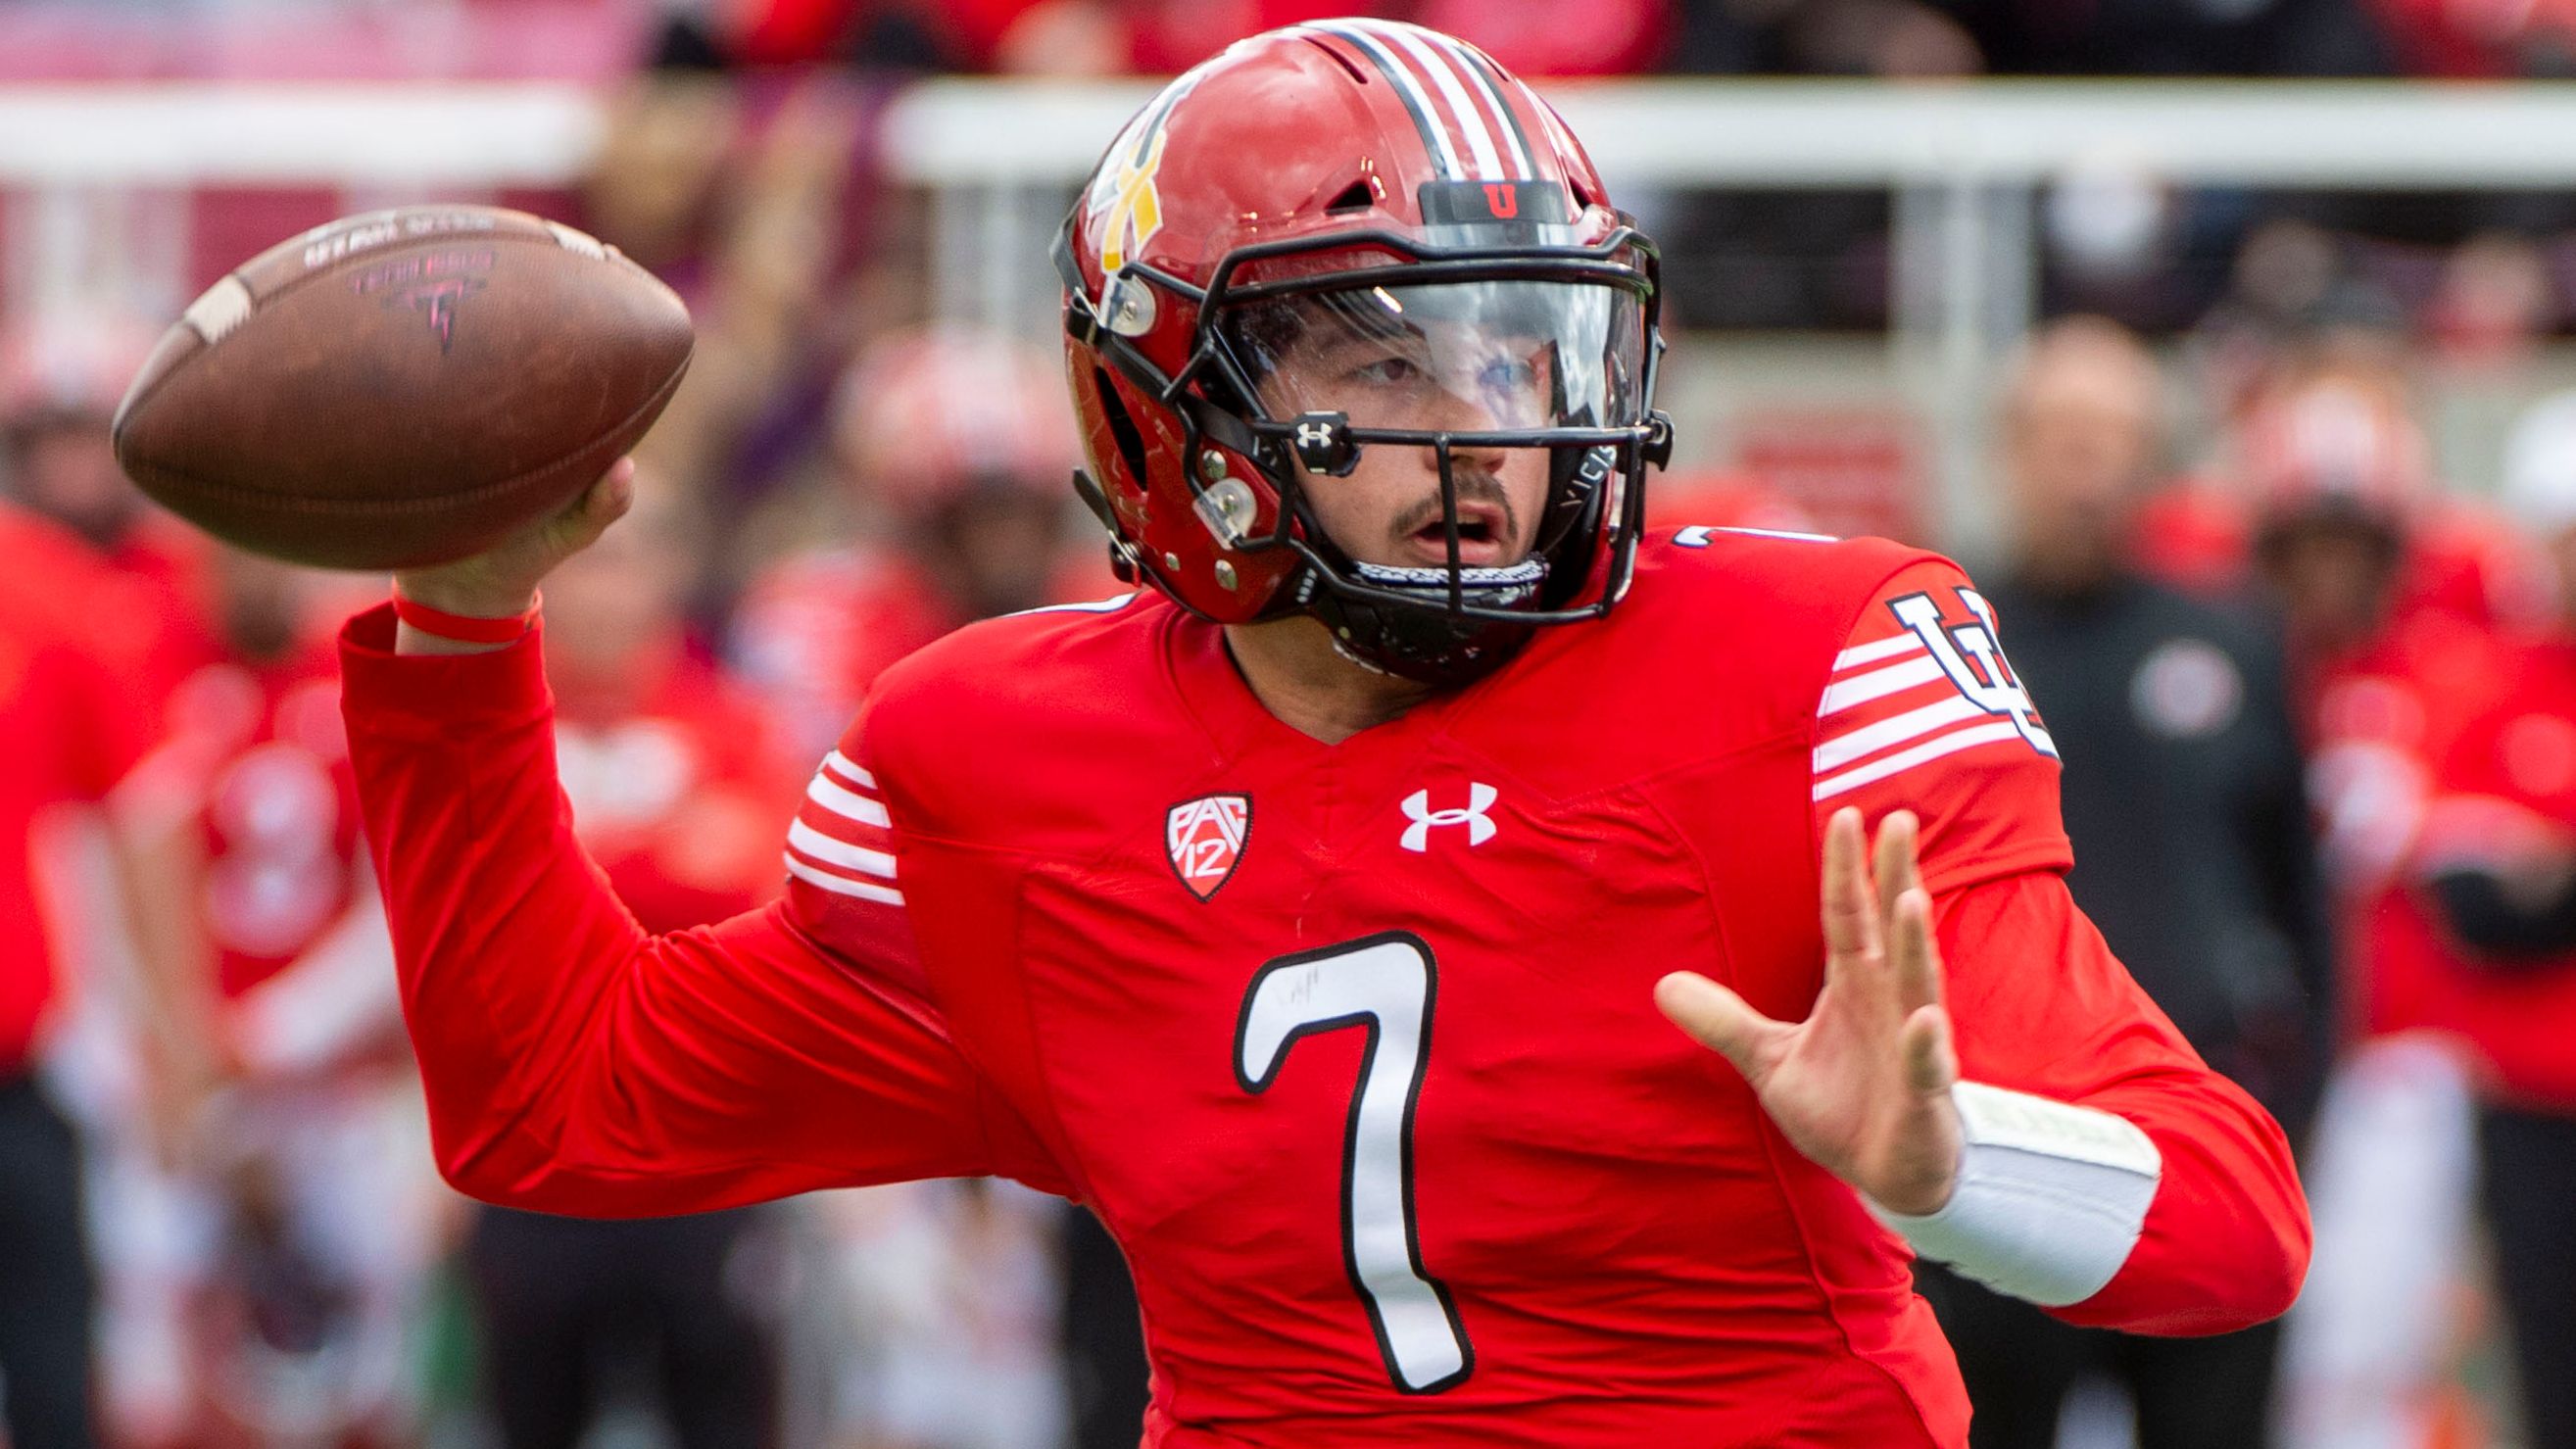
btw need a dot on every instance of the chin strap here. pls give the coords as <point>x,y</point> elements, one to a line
<point>1424,641</point>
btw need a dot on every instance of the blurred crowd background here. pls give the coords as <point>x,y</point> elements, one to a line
<point>2271,470</point>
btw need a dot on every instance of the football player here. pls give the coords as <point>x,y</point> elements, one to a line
<point>2494,859</point>
<point>287,1244</point>
<point>2386,672</point>
<point>1306,913</point>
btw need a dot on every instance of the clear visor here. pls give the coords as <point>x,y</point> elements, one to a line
<point>1458,357</point>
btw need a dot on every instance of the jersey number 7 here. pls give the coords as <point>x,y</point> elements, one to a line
<point>1382,985</point>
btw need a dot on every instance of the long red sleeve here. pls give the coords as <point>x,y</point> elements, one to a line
<point>1924,713</point>
<point>576,1064</point>
<point>2041,1005</point>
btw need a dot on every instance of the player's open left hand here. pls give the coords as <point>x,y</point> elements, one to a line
<point>1862,1086</point>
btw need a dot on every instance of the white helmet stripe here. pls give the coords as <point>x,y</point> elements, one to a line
<point>1487,77</point>
<point>1471,122</point>
<point>1417,99</point>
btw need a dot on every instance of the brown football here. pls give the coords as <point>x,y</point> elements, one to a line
<point>402,388</point>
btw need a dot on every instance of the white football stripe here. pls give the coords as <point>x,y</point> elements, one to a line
<point>1903,760</point>
<point>224,306</point>
<point>849,770</point>
<point>1835,753</point>
<point>825,849</point>
<point>846,803</point>
<point>1471,122</point>
<point>841,885</point>
<point>578,241</point>
<point>1878,684</point>
<point>1888,648</point>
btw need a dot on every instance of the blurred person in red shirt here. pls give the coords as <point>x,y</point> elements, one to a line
<point>677,791</point>
<point>2388,673</point>
<point>960,443</point>
<point>306,1223</point>
<point>90,637</point>
<point>2348,525</point>
<point>2497,862</point>
<point>69,737</point>
<point>60,381</point>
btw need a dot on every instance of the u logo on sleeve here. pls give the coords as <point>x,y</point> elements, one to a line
<point>1973,659</point>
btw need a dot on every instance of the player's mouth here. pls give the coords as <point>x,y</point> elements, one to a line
<point>1484,538</point>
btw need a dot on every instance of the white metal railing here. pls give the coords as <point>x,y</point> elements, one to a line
<point>1000,158</point>
<point>373,137</point>
<point>1962,162</point>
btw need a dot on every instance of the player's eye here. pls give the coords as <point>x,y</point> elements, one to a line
<point>1386,372</point>
<point>1503,374</point>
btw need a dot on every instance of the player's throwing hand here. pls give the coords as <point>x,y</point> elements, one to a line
<point>1862,1086</point>
<point>502,580</point>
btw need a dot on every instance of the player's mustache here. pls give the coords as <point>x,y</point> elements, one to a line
<point>1475,485</point>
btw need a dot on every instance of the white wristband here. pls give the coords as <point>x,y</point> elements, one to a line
<point>2049,1200</point>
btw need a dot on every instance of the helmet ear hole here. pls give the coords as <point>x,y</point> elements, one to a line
<point>1131,443</point>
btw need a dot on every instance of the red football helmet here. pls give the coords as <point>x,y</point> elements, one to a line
<point>1372,184</point>
<point>928,416</point>
<point>69,368</point>
<point>2336,448</point>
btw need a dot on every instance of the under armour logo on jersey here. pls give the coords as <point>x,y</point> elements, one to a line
<point>1974,661</point>
<point>1480,826</point>
<point>1205,838</point>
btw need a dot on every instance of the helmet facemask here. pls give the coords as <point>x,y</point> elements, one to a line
<point>1313,357</point>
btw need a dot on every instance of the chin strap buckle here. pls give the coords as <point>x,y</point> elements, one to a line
<point>1658,447</point>
<point>1322,443</point>
<point>1122,554</point>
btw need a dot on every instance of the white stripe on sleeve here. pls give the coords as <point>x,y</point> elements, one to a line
<point>846,803</point>
<point>1903,760</point>
<point>1877,684</point>
<point>841,885</point>
<point>1895,730</point>
<point>1890,647</point>
<point>823,848</point>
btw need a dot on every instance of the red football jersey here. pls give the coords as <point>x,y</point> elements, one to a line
<point>2380,719</point>
<point>1351,1046</point>
<point>2506,784</point>
<point>67,735</point>
<point>256,764</point>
